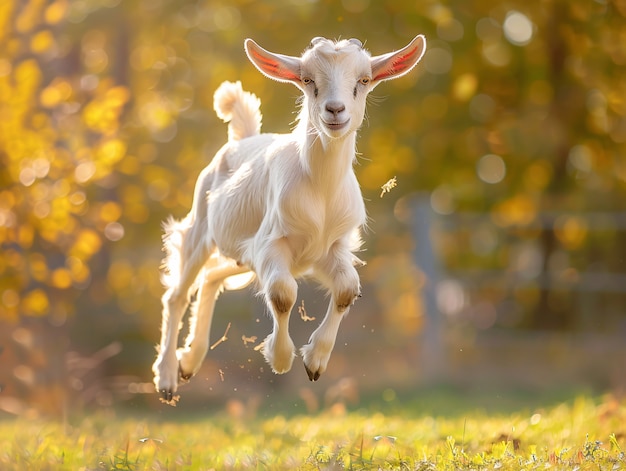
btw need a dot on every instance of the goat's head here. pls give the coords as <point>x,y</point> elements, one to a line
<point>335,77</point>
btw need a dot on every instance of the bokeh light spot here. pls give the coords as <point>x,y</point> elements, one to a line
<point>442,200</point>
<point>465,86</point>
<point>114,231</point>
<point>518,29</point>
<point>497,53</point>
<point>491,168</point>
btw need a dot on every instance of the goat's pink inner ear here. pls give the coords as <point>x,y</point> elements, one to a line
<point>399,65</point>
<point>396,64</point>
<point>287,74</point>
<point>272,66</point>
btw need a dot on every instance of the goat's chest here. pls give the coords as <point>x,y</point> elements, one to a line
<point>313,220</point>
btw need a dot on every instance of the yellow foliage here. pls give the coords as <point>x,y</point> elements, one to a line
<point>57,92</point>
<point>38,267</point>
<point>111,151</point>
<point>42,42</point>
<point>78,270</point>
<point>25,236</point>
<point>55,12</point>
<point>7,199</point>
<point>6,15</point>
<point>61,278</point>
<point>571,231</point>
<point>537,176</point>
<point>29,16</point>
<point>87,243</point>
<point>40,157</point>
<point>36,303</point>
<point>60,210</point>
<point>464,87</point>
<point>518,210</point>
<point>64,167</point>
<point>27,77</point>
<point>137,213</point>
<point>102,113</point>
<point>110,211</point>
<point>117,96</point>
<point>157,114</point>
<point>130,166</point>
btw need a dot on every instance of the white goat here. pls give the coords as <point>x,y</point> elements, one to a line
<point>278,206</point>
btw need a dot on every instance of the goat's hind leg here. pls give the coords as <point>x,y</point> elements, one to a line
<point>197,343</point>
<point>185,257</point>
<point>190,357</point>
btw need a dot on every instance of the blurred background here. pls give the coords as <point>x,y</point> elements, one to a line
<point>498,260</point>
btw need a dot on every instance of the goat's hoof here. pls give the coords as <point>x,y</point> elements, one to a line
<point>168,397</point>
<point>315,357</point>
<point>279,354</point>
<point>183,376</point>
<point>313,376</point>
<point>166,376</point>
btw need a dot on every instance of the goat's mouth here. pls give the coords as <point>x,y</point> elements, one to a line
<point>336,126</point>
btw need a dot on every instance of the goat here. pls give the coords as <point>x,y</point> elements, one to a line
<point>276,207</point>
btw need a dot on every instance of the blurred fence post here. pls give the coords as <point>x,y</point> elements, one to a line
<point>432,362</point>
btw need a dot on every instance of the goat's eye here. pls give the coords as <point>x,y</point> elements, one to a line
<point>364,81</point>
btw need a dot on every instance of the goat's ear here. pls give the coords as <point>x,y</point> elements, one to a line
<point>276,66</point>
<point>396,64</point>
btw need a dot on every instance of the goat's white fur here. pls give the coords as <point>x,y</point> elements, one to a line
<point>278,206</point>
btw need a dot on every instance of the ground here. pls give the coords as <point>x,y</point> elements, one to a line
<point>581,433</point>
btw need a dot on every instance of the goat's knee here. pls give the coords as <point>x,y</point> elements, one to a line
<point>346,289</point>
<point>278,349</point>
<point>345,299</point>
<point>281,294</point>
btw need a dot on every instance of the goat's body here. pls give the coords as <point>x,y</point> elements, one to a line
<point>242,200</point>
<point>277,206</point>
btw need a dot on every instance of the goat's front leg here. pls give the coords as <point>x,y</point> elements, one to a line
<point>339,272</point>
<point>280,290</point>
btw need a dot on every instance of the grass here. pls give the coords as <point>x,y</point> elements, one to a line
<point>580,434</point>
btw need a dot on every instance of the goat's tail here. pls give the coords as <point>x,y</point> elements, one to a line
<point>238,108</point>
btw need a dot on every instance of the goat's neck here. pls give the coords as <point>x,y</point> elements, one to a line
<point>327,161</point>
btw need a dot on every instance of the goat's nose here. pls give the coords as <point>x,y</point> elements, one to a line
<point>335,107</point>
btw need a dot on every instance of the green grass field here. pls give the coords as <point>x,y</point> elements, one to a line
<point>578,434</point>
